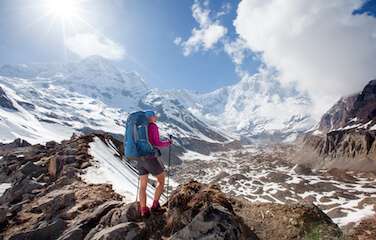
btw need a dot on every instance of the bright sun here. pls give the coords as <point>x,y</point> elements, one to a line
<point>63,9</point>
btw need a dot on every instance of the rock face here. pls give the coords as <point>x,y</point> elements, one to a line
<point>62,206</point>
<point>290,221</point>
<point>345,137</point>
<point>5,102</point>
<point>338,115</point>
<point>17,143</point>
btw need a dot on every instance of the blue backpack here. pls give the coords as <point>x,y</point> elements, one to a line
<point>136,139</point>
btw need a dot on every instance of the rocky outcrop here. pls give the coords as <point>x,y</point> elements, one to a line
<point>345,137</point>
<point>347,149</point>
<point>288,221</point>
<point>62,206</point>
<point>5,101</point>
<point>357,108</point>
<point>198,211</point>
<point>338,115</point>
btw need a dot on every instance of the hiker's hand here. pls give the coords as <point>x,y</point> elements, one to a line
<point>170,141</point>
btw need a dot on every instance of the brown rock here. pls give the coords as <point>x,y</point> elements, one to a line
<point>123,231</point>
<point>54,202</point>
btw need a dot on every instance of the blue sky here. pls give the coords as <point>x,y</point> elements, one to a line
<point>144,30</point>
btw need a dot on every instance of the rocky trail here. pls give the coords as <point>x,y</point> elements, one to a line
<point>47,196</point>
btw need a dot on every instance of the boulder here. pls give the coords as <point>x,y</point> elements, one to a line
<point>219,177</point>
<point>53,202</point>
<point>20,188</point>
<point>46,231</point>
<point>51,144</point>
<point>123,214</point>
<point>74,233</point>
<point>193,198</point>
<point>67,159</point>
<point>302,170</point>
<point>88,224</point>
<point>123,231</point>
<point>340,175</point>
<point>272,221</point>
<point>276,177</point>
<point>17,207</point>
<point>3,213</point>
<point>213,222</point>
<point>236,177</point>
<point>30,169</point>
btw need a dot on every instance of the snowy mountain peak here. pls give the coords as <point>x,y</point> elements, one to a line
<point>95,70</point>
<point>18,70</point>
<point>256,108</point>
<point>93,76</point>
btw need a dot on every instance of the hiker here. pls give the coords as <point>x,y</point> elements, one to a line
<point>152,165</point>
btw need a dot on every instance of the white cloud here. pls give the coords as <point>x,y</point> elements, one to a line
<point>178,40</point>
<point>206,35</point>
<point>320,44</point>
<point>87,44</point>
<point>225,9</point>
<point>236,50</point>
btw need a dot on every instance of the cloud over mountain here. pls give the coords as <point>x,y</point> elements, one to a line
<point>88,44</point>
<point>322,45</point>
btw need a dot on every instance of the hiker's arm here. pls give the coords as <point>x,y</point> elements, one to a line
<point>156,139</point>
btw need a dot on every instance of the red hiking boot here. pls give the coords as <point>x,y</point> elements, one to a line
<point>156,208</point>
<point>144,212</point>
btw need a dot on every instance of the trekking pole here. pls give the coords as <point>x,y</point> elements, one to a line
<point>138,178</point>
<point>168,169</point>
<point>138,186</point>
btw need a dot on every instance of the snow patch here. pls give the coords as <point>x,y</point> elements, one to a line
<point>110,169</point>
<point>4,187</point>
<point>355,216</point>
<point>191,155</point>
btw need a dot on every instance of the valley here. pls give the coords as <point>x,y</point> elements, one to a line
<point>267,174</point>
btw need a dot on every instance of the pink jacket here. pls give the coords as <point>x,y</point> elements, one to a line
<point>154,138</point>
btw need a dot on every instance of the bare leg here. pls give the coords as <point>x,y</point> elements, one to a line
<point>142,193</point>
<point>159,189</point>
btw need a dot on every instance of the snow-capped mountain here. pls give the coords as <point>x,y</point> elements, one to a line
<point>94,76</point>
<point>256,108</point>
<point>96,94</point>
<point>38,111</point>
<point>98,78</point>
<point>175,115</point>
<point>52,103</point>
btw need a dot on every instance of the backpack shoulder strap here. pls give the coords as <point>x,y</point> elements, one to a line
<point>135,133</point>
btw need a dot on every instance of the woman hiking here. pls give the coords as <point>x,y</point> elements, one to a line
<point>153,166</point>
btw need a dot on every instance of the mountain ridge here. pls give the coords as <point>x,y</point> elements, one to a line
<point>345,137</point>
<point>251,98</point>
